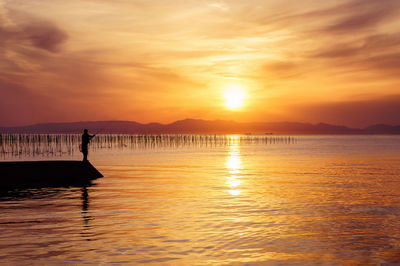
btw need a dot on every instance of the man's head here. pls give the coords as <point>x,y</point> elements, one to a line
<point>85,131</point>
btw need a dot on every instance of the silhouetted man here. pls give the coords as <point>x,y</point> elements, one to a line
<point>85,142</point>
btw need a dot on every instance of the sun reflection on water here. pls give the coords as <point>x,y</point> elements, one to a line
<point>234,166</point>
<point>327,200</point>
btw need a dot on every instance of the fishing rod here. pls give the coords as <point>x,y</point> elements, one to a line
<point>98,131</point>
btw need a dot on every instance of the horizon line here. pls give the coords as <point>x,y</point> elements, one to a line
<point>204,120</point>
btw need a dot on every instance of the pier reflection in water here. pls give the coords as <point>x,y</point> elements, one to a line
<point>19,195</point>
<point>319,200</point>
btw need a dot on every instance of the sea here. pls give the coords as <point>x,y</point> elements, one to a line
<point>208,200</point>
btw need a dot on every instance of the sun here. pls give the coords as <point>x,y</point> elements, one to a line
<point>234,97</point>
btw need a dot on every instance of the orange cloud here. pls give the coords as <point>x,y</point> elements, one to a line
<point>164,61</point>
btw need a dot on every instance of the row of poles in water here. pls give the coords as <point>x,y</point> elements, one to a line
<point>67,144</point>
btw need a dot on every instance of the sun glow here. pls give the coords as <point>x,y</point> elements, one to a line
<point>234,97</point>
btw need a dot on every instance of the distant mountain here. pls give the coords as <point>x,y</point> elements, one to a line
<point>199,126</point>
<point>382,129</point>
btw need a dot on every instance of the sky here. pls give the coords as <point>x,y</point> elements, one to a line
<point>332,61</point>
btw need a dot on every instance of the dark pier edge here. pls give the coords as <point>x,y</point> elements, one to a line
<point>46,173</point>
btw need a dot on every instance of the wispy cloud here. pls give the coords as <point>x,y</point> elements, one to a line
<point>33,32</point>
<point>160,60</point>
<point>363,14</point>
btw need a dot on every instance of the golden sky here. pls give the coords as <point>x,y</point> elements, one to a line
<point>164,60</point>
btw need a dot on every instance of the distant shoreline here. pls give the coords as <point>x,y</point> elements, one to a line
<point>198,126</point>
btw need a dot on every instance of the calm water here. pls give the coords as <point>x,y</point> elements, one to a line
<point>316,200</point>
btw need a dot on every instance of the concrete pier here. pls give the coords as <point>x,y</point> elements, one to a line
<point>43,173</point>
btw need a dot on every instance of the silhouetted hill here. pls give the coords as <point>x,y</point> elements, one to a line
<point>199,126</point>
<point>382,129</point>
